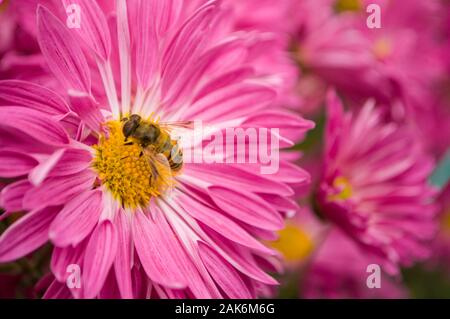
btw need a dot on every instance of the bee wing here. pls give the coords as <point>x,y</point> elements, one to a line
<point>160,169</point>
<point>180,124</point>
<point>177,129</point>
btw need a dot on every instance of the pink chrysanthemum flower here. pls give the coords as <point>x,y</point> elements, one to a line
<point>374,185</point>
<point>272,23</point>
<point>300,238</point>
<point>441,244</point>
<point>18,46</point>
<point>332,52</point>
<point>341,269</point>
<point>140,225</point>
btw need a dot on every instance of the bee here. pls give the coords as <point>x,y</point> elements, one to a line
<point>163,152</point>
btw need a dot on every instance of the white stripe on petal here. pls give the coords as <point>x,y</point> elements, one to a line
<point>123,37</point>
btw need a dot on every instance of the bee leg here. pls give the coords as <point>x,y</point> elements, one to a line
<point>154,173</point>
<point>128,143</point>
<point>125,157</point>
<point>141,153</point>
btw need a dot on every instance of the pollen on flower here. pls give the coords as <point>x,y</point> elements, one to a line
<point>125,170</point>
<point>344,189</point>
<point>348,5</point>
<point>446,221</point>
<point>3,5</point>
<point>382,48</point>
<point>294,243</point>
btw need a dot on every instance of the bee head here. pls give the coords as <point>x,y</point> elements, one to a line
<point>130,125</point>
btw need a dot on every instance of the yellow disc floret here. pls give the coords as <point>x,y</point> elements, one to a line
<point>3,5</point>
<point>382,48</point>
<point>344,187</point>
<point>348,5</point>
<point>125,169</point>
<point>294,243</point>
<point>446,221</point>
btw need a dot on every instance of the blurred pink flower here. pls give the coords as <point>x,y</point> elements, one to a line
<point>330,49</point>
<point>265,15</point>
<point>20,56</point>
<point>408,52</point>
<point>269,43</point>
<point>272,22</point>
<point>67,155</point>
<point>398,64</point>
<point>300,238</point>
<point>8,284</point>
<point>441,244</point>
<point>339,270</point>
<point>18,47</point>
<point>374,185</point>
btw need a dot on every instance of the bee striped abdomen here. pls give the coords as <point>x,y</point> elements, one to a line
<point>175,158</point>
<point>171,150</point>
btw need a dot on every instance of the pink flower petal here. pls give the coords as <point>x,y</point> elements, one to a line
<point>73,161</point>
<point>246,207</point>
<point>94,29</point>
<point>147,45</point>
<point>220,174</point>
<point>122,264</point>
<point>11,197</point>
<point>228,79</point>
<point>27,234</point>
<point>188,80</point>
<point>280,203</point>
<point>292,127</point>
<point>292,174</point>
<point>5,215</point>
<point>100,253</point>
<point>14,164</point>
<point>187,43</point>
<point>77,219</point>
<point>57,290</point>
<point>33,96</point>
<point>232,102</point>
<point>40,172</point>
<point>242,259</point>
<point>157,251</point>
<point>166,14</point>
<point>221,224</point>
<point>110,290</point>
<point>35,124</point>
<point>62,52</point>
<point>63,257</point>
<point>223,273</point>
<point>200,283</point>
<point>87,109</point>
<point>124,45</point>
<point>59,190</point>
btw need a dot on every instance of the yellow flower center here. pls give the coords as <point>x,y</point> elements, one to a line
<point>344,187</point>
<point>348,5</point>
<point>4,5</point>
<point>446,221</point>
<point>126,170</point>
<point>294,243</point>
<point>382,48</point>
